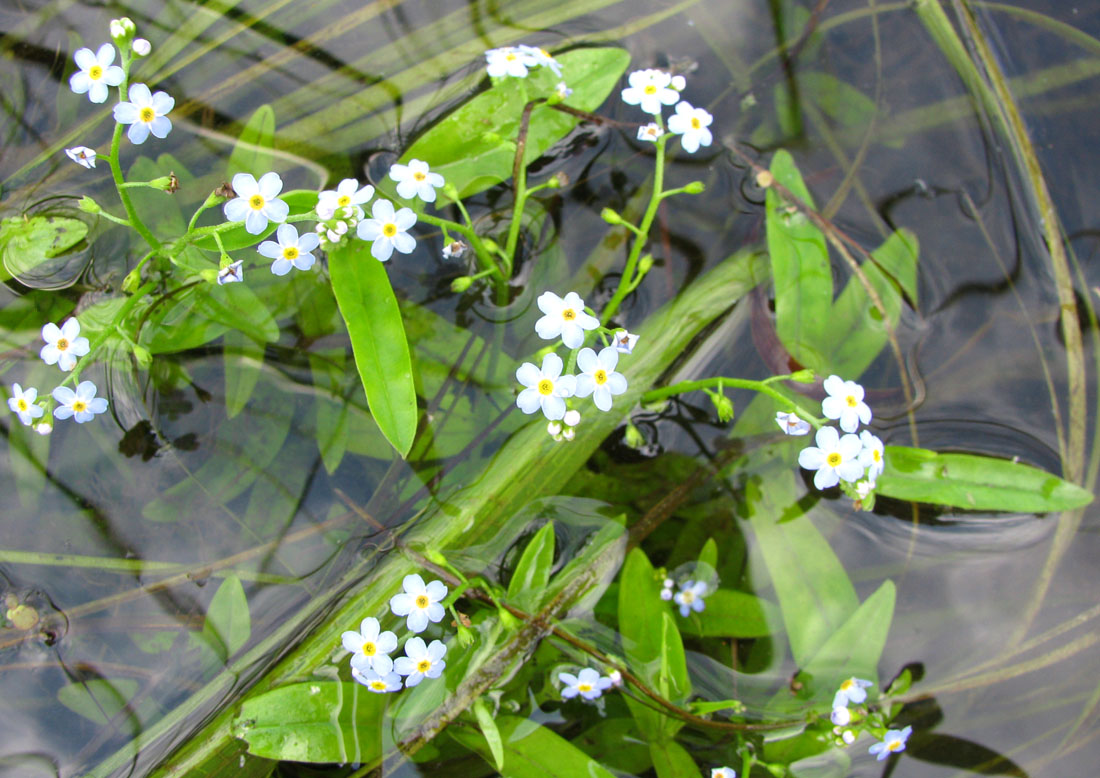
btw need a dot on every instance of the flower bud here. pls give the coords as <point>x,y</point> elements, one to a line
<point>645,264</point>
<point>508,621</point>
<point>848,737</point>
<point>88,205</point>
<point>131,282</point>
<point>554,429</point>
<point>43,428</point>
<point>610,216</point>
<point>558,180</point>
<point>695,187</point>
<point>465,636</point>
<point>142,356</point>
<point>210,276</point>
<point>141,47</point>
<point>167,183</point>
<point>572,418</point>
<point>633,436</point>
<point>764,179</point>
<point>569,433</point>
<point>461,284</point>
<point>122,31</point>
<point>679,83</point>
<point>803,376</point>
<point>723,405</point>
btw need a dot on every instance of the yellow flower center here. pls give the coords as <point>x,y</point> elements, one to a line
<point>422,601</point>
<point>418,176</point>
<point>688,597</point>
<point>569,314</point>
<point>600,376</point>
<point>893,745</point>
<point>423,666</point>
<point>95,72</point>
<point>343,200</point>
<point>833,459</point>
<point>650,89</point>
<point>695,123</point>
<point>256,202</point>
<point>509,56</point>
<point>79,406</point>
<point>369,648</point>
<point>584,687</point>
<point>546,386</point>
<point>147,114</point>
<point>378,686</point>
<point>851,401</point>
<point>291,253</point>
<point>22,404</point>
<point>847,684</point>
<point>875,455</point>
<point>62,344</point>
<point>389,230</point>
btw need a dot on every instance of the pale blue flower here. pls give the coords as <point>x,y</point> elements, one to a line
<point>872,455</point>
<point>416,180</point>
<point>388,230</point>
<point>892,742</point>
<point>851,690</point>
<point>692,125</point>
<point>690,597</point>
<point>145,113</point>
<point>256,202</point>
<point>232,273</point>
<point>421,661</point>
<point>420,602</point>
<point>792,423</point>
<point>291,250</point>
<point>564,317</point>
<point>598,377</point>
<point>845,403</point>
<point>96,72</point>
<point>82,155</point>
<point>545,388</point>
<point>649,90</point>
<point>507,61</point>
<point>589,684</point>
<point>82,404</point>
<point>63,345</point>
<point>833,458</point>
<point>723,772</point>
<point>370,647</point>
<point>379,684</point>
<point>22,403</point>
<point>347,194</point>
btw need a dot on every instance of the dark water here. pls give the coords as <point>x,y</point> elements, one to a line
<point>351,85</point>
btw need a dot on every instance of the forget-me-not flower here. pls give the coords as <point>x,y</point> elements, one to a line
<point>145,113</point>
<point>545,388</point>
<point>416,180</point>
<point>649,90</point>
<point>82,404</point>
<point>291,250</point>
<point>22,404</point>
<point>256,202</point>
<point>792,423</point>
<point>63,344</point>
<point>388,230</point>
<point>690,597</point>
<point>692,125</point>
<point>96,72</point>
<point>564,317</point>
<point>379,684</point>
<point>845,403</point>
<point>872,455</point>
<point>588,683</point>
<point>834,457</point>
<point>892,742</point>
<point>420,602</point>
<point>598,377</point>
<point>82,155</point>
<point>370,647</point>
<point>420,661</point>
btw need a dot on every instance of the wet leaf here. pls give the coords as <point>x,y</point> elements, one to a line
<point>100,699</point>
<point>195,317</point>
<point>28,243</point>
<point>528,584</point>
<point>243,359</point>
<point>533,751</point>
<point>319,721</point>
<point>252,152</point>
<point>801,271</point>
<point>614,742</point>
<point>671,760</point>
<point>708,555</point>
<point>370,311</point>
<point>490,732</point>
<point>732,614</point>
<point>227,618</point>
<point>967,755</point>
<point>650,637</point>
<point>975,482</point>
<point>838,100</point>
<point>474,147</point>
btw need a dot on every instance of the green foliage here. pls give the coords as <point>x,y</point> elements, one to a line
<point>99,700</point>
<point>671,760</point>
<point>532,574</point>
<point>252,151</point>
<point>975,482</point>
<point>317,721</point>
<point>733,614</point>
<point>490,732</point>
<point>474,146</point>
<point>243,359</point>
<point>373,319</point>
<point>29,242</point>
<point>228,624</point>
<point>533,751</point>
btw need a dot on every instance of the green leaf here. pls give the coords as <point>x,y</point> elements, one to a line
<point>252,152</point>
<point>27,243</point>
<point>99,700</point>
<point>733,614</point>
<point>205,312</point>
<point>529,580</point>
<point>370,311</point>
<point>227,618</point>
<point>671,760</point>
<point>855,648</point>
<point>157,210</point>
<point>473,147</point>
<point>975,482</point>
<point>838,100</point>
<point>490,732</point>
<point>709,554</point>
<point>533,751</point>
<point>800,269</point>
<point>243,359</point>
<point>319,721</point>
<point>815,595</point>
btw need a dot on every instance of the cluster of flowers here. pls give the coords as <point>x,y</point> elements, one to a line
<point>588,683</point>
<point>854,690</point>
<point>852,458</point>
<point>518,61</point>
<point>370,647</point>
<point>546,388</point>
<point>651,90</point>
<point>689,598</point>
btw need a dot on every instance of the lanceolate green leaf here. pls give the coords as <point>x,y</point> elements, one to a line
<point>733,614</point>
<point>490,732</point>
<point>227,618</point>
<point>243,359</point>
<point>528,583</point>
<point>533,751</point>
<point>474,147</point>
<point>975,482</point>
<point>370,311</point>
<point>252,152</point>
<point>671,760</point>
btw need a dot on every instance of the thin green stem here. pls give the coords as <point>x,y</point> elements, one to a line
<point>763,387</point>
<point>123,312</point>
<point>485,259</point>
<point>116,169</point>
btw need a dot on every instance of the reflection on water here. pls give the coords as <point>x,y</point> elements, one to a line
<point>120,536</point>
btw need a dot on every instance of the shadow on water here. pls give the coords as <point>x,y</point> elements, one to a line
<point>234,475</point>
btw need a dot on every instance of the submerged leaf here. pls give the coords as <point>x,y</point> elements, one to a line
<point>528,584</point>
<point>227,618</point>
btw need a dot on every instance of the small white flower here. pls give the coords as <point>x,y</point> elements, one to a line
<point>554,429</point>
<point>63,344</point>
<point>845,403</point>
<point>545,388</point>
<point>666,594</point>
<point>565,318</point>
<point>690,597</point>
<point>346,194</point>
<point>419,602</point>
<point>388,230</point>
<point>96,72</point>
<point>231,273</point>
<point>454,249</point>
<point>82,155</point>
<point>22,403</point>
<point>833,458</point>
<point>145,113</point>
<point>43,428</point>
<point>615,677</point>
<point>416,180</point>
<point>851,690</point>
<point>871,456</point>
<point>141,47</point>
<point>572,418</point>
<point>692,125</point>
<point>649,90</point>
<point>841,716</point>
<point>379,684</point>
<point>848,736</point>
<point>563,91</point>
<point>723,772</point>
<point>569,433</point>
<point>892,742</point>
<point>370,647</point>
<point>679,83</point>
<point>792,423</point>
<point>650,132</point>
<point>598,377</point>
<point>668,583</point>
<point>588,683</point>
<point>291,250</point>
<point>421,661</point>
<point>506,61</point>
<point>82,404</point>
<point>256,202</point>
<point>536,57</point>
<point>864,488</point>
